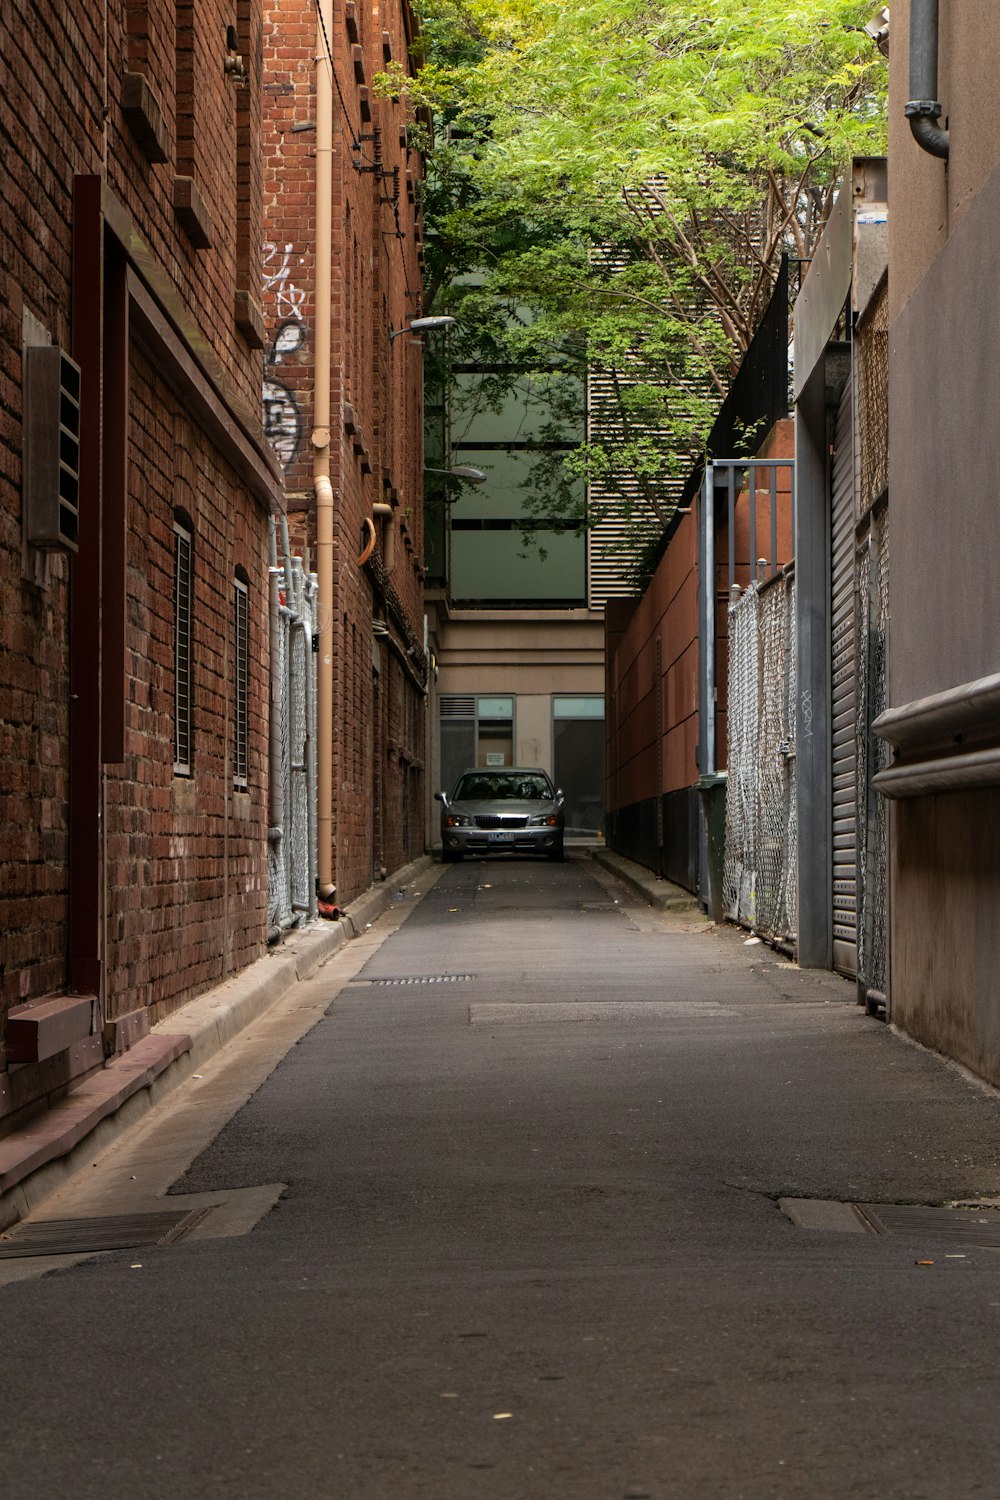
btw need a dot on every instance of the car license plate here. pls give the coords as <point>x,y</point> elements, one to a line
<point>501,836</point>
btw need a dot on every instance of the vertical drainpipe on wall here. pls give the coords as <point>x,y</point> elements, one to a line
<point>707,760</point>
<point>321,450</point>
<point>923,108</point>
<point>276,812</point>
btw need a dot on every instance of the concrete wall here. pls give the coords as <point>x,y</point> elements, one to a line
<point>520,651</point>
<point>525,654</point>
<point>944,456</point>
<point>929,200</point>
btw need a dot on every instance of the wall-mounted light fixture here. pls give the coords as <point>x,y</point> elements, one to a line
<point>234,67</point>
<point>465,472</point>
<point>421,325</point>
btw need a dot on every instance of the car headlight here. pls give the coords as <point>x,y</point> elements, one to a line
<point>544,820</point>
<point>458,820</point>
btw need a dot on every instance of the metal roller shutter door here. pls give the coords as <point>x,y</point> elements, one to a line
<point>843,713</point>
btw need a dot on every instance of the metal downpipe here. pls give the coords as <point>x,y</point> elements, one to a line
<point>321,451</point>
<point>923,108</point>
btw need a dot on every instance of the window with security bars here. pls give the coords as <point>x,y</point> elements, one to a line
<point>182,650</point>
<point>240,682</point>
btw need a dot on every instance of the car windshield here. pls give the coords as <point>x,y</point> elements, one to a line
<point>500,787</point>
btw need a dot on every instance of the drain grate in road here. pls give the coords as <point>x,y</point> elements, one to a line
<point>423,979</point>
<point>86,1236</point>
<point>970,1226</point>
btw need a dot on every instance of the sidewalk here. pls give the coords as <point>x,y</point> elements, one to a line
<point>660,893</point>
<point>37,1159</point>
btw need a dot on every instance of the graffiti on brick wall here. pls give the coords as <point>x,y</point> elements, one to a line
<point>282,420</point>
<point>277,267</point>
<point>282,414</point>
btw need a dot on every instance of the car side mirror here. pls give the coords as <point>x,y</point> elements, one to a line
<point>559,794</point>
<point>440,797</point>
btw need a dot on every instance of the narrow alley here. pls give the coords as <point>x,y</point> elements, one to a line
<point>500,1218</point>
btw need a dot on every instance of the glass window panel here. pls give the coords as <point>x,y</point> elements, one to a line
<point>493,565</point>
<point>577,708</point>
<point>544,407</point>
<point>502,495</point>
<point>496,708</point>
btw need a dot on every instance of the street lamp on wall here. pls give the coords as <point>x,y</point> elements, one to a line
<point>421,325</point>
<point>464,472</point>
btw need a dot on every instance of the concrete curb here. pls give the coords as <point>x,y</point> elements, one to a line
<point>205,1025</point>
<point>658,892</point>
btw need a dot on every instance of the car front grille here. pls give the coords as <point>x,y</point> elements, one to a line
<point>498,822</point>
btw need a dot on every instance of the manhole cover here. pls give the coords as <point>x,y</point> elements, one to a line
<point>84,1236</point>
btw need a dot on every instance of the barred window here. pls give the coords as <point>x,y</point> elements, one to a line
<point>182,650</point>
<point>240,681</point>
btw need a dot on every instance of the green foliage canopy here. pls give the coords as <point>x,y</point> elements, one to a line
<point>612,187</point>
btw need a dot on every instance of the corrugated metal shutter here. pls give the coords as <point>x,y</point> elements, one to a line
<point>843,664</point>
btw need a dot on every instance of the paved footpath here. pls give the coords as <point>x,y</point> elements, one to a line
<point>497,1215</point>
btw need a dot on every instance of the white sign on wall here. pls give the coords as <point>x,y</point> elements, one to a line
<point>494,758</point>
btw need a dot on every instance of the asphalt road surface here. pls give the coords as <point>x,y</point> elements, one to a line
<point>504,1224</point>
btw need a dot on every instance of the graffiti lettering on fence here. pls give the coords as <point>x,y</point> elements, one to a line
<point>277,268</point>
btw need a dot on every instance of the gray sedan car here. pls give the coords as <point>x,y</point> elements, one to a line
<point>516,809</point>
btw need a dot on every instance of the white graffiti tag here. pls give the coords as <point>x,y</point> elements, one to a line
<point>282,421</point>
<point>277,278</point>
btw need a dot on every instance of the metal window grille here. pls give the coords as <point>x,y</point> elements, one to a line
<point>292,835</point>
<point>872,353</point>
<point>182,650</point>
<point>240,682</point>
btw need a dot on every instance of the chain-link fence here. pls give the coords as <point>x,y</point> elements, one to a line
<point>760,878</point>
<point>872,615</point>
<point>292,822</point>
<point>873,756</point>
<point>872,369</point>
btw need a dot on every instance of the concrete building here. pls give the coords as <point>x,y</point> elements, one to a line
<point>515,601</point>
<point>943,718</point>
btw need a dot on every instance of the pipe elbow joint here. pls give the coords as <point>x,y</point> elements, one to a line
<point>923,115</point>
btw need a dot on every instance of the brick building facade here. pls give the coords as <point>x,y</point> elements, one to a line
<point>370,639</point>
<point>133,688</point>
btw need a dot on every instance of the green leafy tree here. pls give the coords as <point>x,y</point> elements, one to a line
<point>612,187</point>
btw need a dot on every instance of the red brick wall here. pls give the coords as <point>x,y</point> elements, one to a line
<point>186,892</point>
<point>49,87</point>
<point>376,447</point>
<point>186,860</point>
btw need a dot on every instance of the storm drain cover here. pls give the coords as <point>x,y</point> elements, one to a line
<point>971,1226</point>
<point>423,979</point>
<point>84,1236</point>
